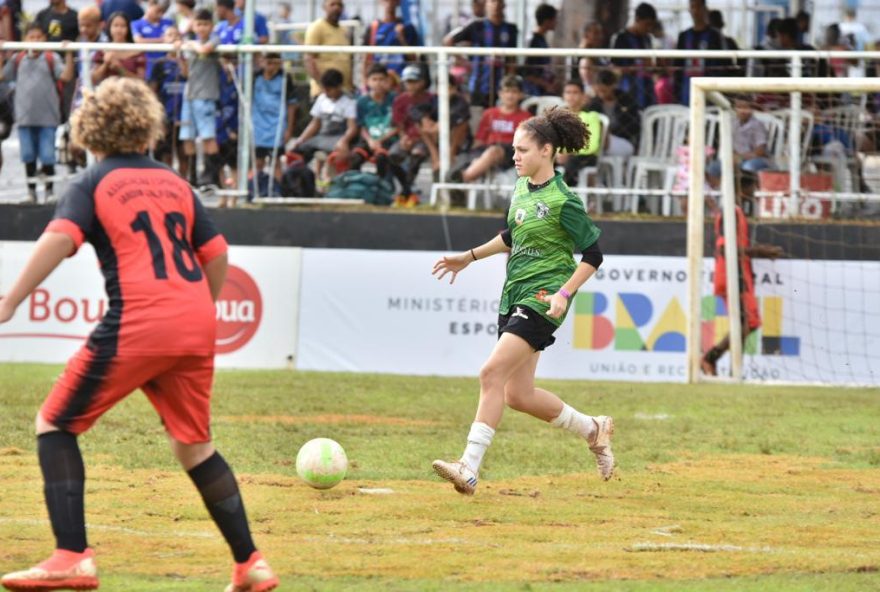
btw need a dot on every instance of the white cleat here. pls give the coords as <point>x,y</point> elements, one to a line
<point>457,473</point>
<point>600,445</point>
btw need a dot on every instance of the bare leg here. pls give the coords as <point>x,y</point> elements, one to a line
<point>520,393</point>
<point>490,157</point>
<point>511,352</point>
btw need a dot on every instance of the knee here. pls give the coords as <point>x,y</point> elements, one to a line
<point>43,426</point>
<point>191,455</point>
<point>490,377</point>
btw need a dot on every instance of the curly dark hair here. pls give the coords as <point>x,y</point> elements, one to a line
<point>560,127</point>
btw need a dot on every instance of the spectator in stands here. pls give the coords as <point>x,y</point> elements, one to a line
<point>131,8</point>
<point>333,128</point>
<point>459,126</point>
<point>803,22</point>
<point>118,63</point>
<point>593,38</point>
<point>757,67</point>
<point>664,86</point>
<point>575,100</point>
<point>493,142</point>
<point>261,23</point>
<point>91,30</point>
<point>229,29</point>
<point>151,29</point>
<point>389,31</point>
<point>183,17</point>
<point>855,31</point>
<point>37,104</point>
<point>749,143</point>
<point>635,74</point>
<point>198,119</point>
<point>624,119</point>
<point>716,21</point>
<point>274,115</point>
<point>58,21</point>
<point>834,41</point>
<point>328,31</point>
<point>487,72</point>
<point>377,132</point>
<point>168,82</point>
<point>700,36</point>
<point>227,131</point>
<point>538,72</point>
<point>409,152</point>
<point>461,66</point>
<point>10,13</point>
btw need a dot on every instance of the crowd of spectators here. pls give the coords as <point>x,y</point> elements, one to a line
<point>379,109</point>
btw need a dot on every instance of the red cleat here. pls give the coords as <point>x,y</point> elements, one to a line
<point>254,575</point>
<point>64,570</point>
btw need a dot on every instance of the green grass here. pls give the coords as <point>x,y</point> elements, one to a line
<point>787,476</point>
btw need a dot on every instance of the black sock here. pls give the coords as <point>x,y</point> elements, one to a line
<point>30,169</point>
<point>63,486</point>
<point>215,481</point>
<point>49,171</point>
<point>713,354</point>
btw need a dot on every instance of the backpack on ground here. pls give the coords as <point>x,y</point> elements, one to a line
<point>366,186</point>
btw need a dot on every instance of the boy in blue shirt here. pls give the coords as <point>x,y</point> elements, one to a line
<point>274,109</point>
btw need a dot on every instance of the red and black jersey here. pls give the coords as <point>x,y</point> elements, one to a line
<point>746,276</point>
<point>152,237</point>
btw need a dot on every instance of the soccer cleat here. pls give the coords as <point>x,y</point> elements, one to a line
<point>457,473</point>
<point>64,570</point>
<point>600,445</point>
<point>254,575</point>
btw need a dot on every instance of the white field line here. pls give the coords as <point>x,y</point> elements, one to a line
<point>701,548</point>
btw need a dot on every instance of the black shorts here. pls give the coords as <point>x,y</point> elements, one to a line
<point>228,151</point>
<point>526,323</point>
<point>266,152</point>
<point>507,162</point>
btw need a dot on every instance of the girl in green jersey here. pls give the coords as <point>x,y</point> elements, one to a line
<point>546,224</point>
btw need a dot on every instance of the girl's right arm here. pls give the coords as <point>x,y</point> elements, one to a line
<point>50,250</point>
<point>455,263</point>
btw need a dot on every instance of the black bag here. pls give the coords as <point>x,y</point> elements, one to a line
<point>298,180</point>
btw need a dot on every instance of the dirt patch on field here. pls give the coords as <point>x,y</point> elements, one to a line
<point>326,419</point>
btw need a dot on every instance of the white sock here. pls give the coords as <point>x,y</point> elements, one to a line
<point>478,440</point>
<point>575,422</point>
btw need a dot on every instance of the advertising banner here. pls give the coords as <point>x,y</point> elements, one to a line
<point>256,311</point>
<point>382,311</point>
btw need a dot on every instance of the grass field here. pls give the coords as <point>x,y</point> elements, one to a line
<point>718,488</point>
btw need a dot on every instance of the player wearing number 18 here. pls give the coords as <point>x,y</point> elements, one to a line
<point>164,263</point>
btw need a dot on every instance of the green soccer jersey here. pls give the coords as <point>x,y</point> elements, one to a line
<point>547,226</point>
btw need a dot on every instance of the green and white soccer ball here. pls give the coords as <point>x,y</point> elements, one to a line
<point>321,463</point>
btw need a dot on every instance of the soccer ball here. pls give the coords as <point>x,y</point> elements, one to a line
<point>321,463</point>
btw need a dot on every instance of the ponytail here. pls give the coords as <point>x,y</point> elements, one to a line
<point>561,128</point>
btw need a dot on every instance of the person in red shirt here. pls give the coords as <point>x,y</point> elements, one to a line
<point>164,263</point>
<point>494,137</point>
<point>750,317</point>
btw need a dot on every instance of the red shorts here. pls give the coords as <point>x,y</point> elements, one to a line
<point>179,387</point>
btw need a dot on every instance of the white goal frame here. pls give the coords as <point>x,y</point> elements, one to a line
<point>712,88</point>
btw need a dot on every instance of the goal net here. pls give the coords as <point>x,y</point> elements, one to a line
<point>784,231</point>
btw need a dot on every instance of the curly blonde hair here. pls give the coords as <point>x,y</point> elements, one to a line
<point>122,115</point>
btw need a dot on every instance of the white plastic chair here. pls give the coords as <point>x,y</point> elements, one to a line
<point>664,128</point>
<point>848,119</point>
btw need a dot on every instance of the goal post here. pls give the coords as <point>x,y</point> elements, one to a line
<point>714,94</point>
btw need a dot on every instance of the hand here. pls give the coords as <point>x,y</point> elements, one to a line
<point>400,29</point>
<point>6,309</point>
<point>452,264</point>
<point>558,304</point>
<point>773,251</point>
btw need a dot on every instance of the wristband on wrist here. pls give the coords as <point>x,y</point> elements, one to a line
<point>472,255</point>
<point>565,293</point>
